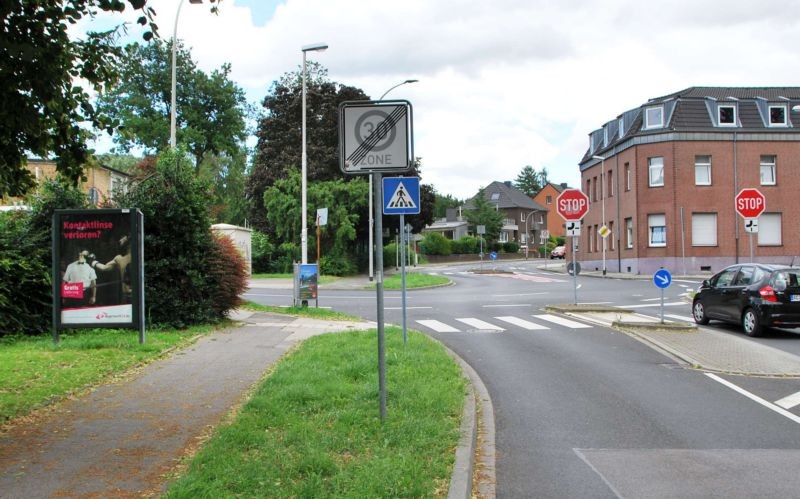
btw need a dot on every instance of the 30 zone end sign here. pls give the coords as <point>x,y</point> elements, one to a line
<point>375,136</point>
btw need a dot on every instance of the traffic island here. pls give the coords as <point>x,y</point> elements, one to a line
<point>640,325</point>
<point>578,308</point>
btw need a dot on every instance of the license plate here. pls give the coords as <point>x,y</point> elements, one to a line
<point>794,297</point>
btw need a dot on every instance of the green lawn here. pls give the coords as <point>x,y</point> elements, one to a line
<point>312,429</point>
<point>414,280</point>
<point>323,279</point>
<point>310,311</point>
<point>35,372</point>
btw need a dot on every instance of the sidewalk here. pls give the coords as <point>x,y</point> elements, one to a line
<point>124,438</point>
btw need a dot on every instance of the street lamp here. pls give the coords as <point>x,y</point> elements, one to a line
<point>603,203</point>
<point>371,215</point>
<point>314,47</point>
<point>174,56</point>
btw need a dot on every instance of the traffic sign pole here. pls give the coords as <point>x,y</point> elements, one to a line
<point>379,292</point>
<point>403,272</point>
<point>572,205</point>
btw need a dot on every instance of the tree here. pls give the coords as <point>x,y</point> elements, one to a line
<point>486,214</point>
<point>442,203</point>
<point>279,134</point>
<point>210,108</point>
<point>530,181</point>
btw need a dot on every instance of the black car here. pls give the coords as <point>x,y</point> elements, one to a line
<point>754,295</point>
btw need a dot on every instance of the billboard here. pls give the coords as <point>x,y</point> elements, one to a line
<point>98,269</point>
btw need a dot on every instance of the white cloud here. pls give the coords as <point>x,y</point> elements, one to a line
<point>507,83</point>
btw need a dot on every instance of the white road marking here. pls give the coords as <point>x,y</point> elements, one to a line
<point>407,308</point>
<point>562,321</point>
<point>680,317</point>
<point>668,304</point>
<point>651,299</point>
<point>521,294</point>
<point>531,326</point>
<point>508,305</point>
<point>755,398</point>
<point>439,327</point>
<point>479,324</point>
<point>790,401</point>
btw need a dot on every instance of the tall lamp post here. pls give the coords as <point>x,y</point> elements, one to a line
<point>603,203</point>
<point>172,118</point>
<point>371,215</point>
<point>314,47</point>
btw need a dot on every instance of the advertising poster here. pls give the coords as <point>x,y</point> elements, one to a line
<point>97,273</point>
<point>308,281</point>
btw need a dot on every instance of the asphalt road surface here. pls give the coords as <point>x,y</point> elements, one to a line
<point>582,410</point>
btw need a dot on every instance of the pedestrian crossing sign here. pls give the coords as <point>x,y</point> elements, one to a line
<point>401,195</point>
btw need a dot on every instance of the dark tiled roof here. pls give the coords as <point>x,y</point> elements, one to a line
<point>510,197</point>
<point>722,93</point>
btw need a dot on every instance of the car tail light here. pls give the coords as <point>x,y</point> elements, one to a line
<point>768,294</point>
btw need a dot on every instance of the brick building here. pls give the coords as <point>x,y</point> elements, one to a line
<point>663,177</point>
<point>547,198</point>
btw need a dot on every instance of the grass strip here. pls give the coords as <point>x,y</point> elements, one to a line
<point>323,279</point>
<point>35,372</point>
<point>312,429</point>
<point>311,312</point>
<point>414,280</point>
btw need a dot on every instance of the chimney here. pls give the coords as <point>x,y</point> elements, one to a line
<point>563,185</point>
<point>508,183</point>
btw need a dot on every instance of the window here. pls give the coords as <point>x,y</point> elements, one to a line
<point>704,229</point>
<point>588,189</point>
<point>656,168</point>
<point>627,176</point>
<point>654,117</point>
<point>657,227</point>
<point>768,170</point>
<point>725,278</point>
<point>727,115</point>
<point>702,170</point>
<point>503,237</point>
<point>611,234</point>
<point>629,233</point>
<point>495,196</point>
<point>610,183</point>
<point>549,200</point>
<point>745,276</point>
<point>605,136</point>
<point>594,189</point>
<point>769,229</point>
<point>621,127</point>
<point>94,195</point>
<point>777,115</point>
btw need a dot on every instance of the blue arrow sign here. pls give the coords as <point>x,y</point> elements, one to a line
<point>662,278</point>
<point>493,255</point>
<point>401,195</point>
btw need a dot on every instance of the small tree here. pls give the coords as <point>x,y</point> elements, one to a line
<point>486,214</point>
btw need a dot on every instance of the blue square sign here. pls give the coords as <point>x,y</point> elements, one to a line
<point>401,195</point>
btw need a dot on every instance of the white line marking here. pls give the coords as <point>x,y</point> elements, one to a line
<point>790,401</point>
<point>479,324</point>
<point>439,327</point>
<point>521,294</point>
<point>680,317</point>
<point>755,398</point>
<point>407,308</point>
<point>531,326</point>
<point>651,299</point>
<point>509,305</point>
<point>669,304</point>
<point>562,321</point>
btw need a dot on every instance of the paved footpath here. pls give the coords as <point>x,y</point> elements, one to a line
<point>122,439</point>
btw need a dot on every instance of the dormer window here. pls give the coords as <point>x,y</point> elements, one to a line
<point>605,136</point>
<point>726,115</point>
<point>621,127</point>
<point>654,117</point>
<point>777,116</point>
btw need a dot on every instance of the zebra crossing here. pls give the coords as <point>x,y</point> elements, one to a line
<point>538,322</point>
<point>523,276</point>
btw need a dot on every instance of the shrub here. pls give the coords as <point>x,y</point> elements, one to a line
<point>435,244</point>
<point>263,253</point>
<point>466,245</point>
<point>337,265</point>
<point>228,275</point>
<point>511,247</point>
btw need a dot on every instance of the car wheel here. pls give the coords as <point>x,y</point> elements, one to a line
<point>699,313</point>
<point>751,323</point>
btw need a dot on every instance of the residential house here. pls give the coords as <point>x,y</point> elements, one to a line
<point>524,218</point>
<point>452,226</point>
<point>663,177</point>
<point>547,197</point>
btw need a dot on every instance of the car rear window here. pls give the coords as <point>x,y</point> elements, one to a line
<point>789,278</point>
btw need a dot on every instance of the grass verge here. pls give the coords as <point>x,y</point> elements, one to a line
<point>323,279</point>
<point>414,280</point>
<point>312,429</point>
<point>34,371</point>
<point>311,312</point>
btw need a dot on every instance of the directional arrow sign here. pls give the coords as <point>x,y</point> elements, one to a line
<point>573,228</point>
<point>751,225</point>
<point>662,278</point>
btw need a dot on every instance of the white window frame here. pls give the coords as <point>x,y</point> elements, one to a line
<point>627,176</point>
<point>704,229</point>
<point>503,236</point>
<point>654,222</point>
<point>702,163</point>
<point>653,166</point>
<point>621,127</point>
<point>605,136</point>
<point>785,115</point>
<point>649,115</point>
<point>769,162</point>
<point>629,233</point>
<point>719,114</point>
<point>770,229</point>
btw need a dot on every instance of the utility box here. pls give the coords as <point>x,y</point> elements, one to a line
<point>242,238</point>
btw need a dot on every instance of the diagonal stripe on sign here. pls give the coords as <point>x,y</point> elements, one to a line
<point>381,131</point>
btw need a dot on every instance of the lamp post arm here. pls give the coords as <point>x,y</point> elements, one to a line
<point>172,117</point>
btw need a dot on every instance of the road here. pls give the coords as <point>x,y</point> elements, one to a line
<point>582,410</point>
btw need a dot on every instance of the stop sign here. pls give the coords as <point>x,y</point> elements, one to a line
<point>750,203</point>
<point>572,204</point>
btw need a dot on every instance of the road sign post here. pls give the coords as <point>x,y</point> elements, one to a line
<point>573,205</point>
<point>750,204</point>
<point>662,279</point>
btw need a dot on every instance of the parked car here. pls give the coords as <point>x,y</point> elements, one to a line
<point>753,295</point>
<point>558,252</point>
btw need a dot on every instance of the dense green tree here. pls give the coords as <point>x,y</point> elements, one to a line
<point>211,110</point>
<point>530,181</point>
<point>486,214</point>
<point>442,203</point>
<point>279,134</point>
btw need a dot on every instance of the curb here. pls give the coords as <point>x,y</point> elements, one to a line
<point>673,327</point>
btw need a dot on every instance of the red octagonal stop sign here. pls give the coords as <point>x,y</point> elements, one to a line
<point>572,204</point>
<point>750,203</point>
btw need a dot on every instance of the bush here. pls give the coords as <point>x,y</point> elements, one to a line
<point>338,265</point>
<point>511,247</point>
<point>263,253</point>
<point>467,245</point>
<point>228,275</point>
<point>435,244</point>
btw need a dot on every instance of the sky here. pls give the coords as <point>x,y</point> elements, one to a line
<point>502,84</point>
